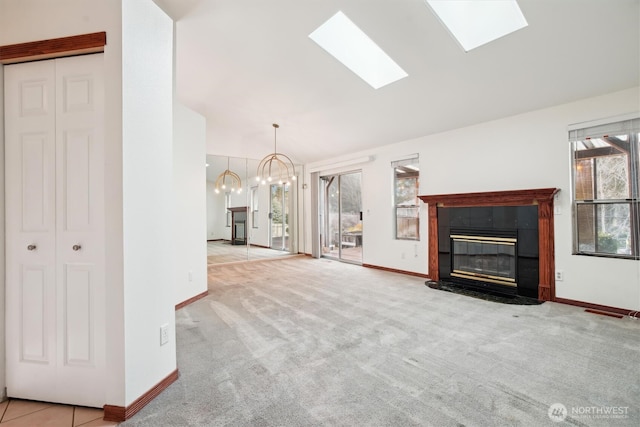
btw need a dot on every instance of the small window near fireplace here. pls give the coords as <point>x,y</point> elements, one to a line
<point>406,174</point>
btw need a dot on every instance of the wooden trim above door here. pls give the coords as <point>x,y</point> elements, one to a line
<point>53,48</point>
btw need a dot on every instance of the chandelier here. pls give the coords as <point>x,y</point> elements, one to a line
<point>231,177</point>
<point>276,166</point>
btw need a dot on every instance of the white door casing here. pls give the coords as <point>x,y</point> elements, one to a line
<point>54,119</point>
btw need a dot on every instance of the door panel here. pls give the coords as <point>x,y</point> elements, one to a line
<point>341,228</point>
<point>34,333</point>
<point>77,180</point>
<point>333,218</point>
<point>80,235</point>
<point>78,314</point>
<point>30,226</point>
<point>55,230</point>
<point>36,159</point>
<point>350,217</point>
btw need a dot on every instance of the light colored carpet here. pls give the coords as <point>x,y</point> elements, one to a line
<point>306,342</point>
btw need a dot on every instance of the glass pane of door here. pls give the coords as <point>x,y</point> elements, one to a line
<point>279,216</point>
<point>351,217</point>
<point>341,217</point>
<point>330,234</point>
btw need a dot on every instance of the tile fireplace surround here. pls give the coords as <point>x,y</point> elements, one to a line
<point>542,197</point>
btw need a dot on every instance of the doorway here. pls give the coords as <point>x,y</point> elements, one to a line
<point>341,216</point>
<point>279,202</point>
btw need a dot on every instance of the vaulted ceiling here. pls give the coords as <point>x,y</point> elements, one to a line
<point>245,64</point>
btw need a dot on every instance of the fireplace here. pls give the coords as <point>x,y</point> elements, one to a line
<point>500,241</point>
<point>483,257</point>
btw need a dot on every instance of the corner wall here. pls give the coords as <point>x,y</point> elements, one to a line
<point>147,161</point>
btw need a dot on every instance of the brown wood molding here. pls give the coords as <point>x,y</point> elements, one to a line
<point>393,270</point>
<point>604,313</point>
<point>120,414</point>
<point>239,209</point>
<point>53,48</point>
<point>542,197</point>
<point>546,251</point>
<point>191,300</point>
<point>494,198</point>
<point>434,272</point>
<point>603,308</point>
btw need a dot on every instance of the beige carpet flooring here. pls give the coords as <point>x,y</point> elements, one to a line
<point>307,342</point>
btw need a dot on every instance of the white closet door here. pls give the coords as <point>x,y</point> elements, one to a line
<point>30,114</point>
<point>55,202</point>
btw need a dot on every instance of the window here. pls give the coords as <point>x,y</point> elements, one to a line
<point>406,174</point>
<point>606,160</point>
<point>475,23</point>
<point>343,40</point>
<point>254,207</point>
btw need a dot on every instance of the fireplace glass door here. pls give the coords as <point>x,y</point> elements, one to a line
<point>484,258</point>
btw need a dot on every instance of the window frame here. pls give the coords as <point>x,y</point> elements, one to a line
<point>606,131</point>
<point>413,161</point>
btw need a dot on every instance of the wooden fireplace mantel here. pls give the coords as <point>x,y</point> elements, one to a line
<point>542,197</point>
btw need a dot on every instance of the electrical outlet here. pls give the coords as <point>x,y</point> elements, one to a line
<point>164,334</point>
<point>191,276</point>
<point>559,275</point>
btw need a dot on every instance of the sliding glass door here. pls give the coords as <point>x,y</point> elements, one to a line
<point>341,216</point>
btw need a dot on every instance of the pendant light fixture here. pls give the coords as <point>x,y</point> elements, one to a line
<point>234,181</point>
<point>276,167</point>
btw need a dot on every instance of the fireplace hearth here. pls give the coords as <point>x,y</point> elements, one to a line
<point>498,241</point>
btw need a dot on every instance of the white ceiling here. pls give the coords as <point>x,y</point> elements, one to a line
<point>245,64</point>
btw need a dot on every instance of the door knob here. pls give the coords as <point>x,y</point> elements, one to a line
<point>31,247</point>
<point>76,247</point>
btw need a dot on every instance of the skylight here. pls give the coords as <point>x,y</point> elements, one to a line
<point>350,45</point>
<point>474,23</point>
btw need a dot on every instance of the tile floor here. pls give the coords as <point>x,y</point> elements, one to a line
<point>27,413</point>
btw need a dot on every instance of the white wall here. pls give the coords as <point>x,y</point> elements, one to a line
<point>149,293</point>
<point>29,20</point>
<point>524,151</point>
<point>190,210</point>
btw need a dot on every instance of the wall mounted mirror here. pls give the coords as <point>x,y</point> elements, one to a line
<point>257,222</point>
